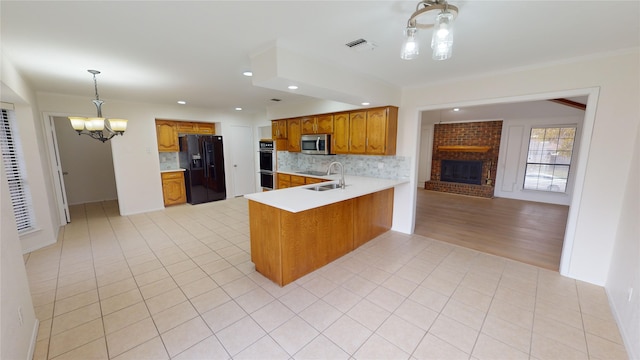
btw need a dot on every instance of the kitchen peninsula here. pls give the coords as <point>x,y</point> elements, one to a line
<point>297,230</point>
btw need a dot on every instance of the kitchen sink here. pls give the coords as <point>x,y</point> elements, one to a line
<point>324,187</point>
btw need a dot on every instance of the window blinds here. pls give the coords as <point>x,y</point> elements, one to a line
<point>15,173</point>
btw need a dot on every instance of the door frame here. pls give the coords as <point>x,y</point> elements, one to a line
<point>51,139</point>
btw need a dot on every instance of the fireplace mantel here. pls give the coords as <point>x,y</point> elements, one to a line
<point>464,148</point>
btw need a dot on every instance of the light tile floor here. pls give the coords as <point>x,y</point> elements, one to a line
<point>179,284</point>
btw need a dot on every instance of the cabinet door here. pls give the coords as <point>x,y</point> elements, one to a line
<point>284,181</point>
<point>293,135</point>
<point>340,137</point>
<point>376,131</point>
<point>205,128</point>
<point>324,124</point>
<point>173,190</point>
<point>357,132</point>
<point>308,125</point>
<point>310,180</point>
<point>279,129</point>
<point>185,127</point>
<point>297,180</point>
<point>167,134</point>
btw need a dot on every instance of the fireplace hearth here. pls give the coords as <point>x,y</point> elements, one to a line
<point>461,171</point>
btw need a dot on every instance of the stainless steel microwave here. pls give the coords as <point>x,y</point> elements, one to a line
<point>318,144</point>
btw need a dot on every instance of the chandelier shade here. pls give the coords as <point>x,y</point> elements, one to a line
<point>99,128</point>
<point>425,17</point>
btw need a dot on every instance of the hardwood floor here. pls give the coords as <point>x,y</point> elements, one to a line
<point>525,231</point>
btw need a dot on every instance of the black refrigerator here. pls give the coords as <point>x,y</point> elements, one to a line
<point>203,160</point>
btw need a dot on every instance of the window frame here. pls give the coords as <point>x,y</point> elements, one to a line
<point>551,164</point>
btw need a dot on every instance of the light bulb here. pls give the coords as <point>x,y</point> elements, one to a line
<point>410,46</point>
<point>442,39</point>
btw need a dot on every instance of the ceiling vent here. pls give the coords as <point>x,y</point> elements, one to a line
<point>276,100</point>
<point>361,45</point>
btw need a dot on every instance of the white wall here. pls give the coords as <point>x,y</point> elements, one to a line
<point>135,154</point>
<point>18,338</point>
<point>624,275</point>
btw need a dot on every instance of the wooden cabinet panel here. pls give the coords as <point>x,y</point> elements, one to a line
<point>293,135</point>
<point>189,127</point>
<point>381,131</point>
<point>374,216</point>
<point>340,137</point>
<point>308,125</point>
<point>167,134</point>
<point>357,132</point>
<point>313,238</point>
<point>320,124</point>
<point>284,181</point>
<point>279,129</point>
<point>173,189</point>
<point>264,230</point>
<point>310,180</point>
<point>185,127</point>
<point>324,124</point>
<point>297,180</point>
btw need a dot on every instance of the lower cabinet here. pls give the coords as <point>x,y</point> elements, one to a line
<point>287,180</point>
<point>173,190</point>
<point>286,246</point>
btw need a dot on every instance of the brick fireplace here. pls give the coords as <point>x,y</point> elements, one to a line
<point>465,149</point>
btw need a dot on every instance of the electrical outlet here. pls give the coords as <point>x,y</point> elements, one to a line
<point>20,315</point>
<point>630,294</point>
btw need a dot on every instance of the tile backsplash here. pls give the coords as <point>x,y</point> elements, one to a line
<point>169,161</point>
<point>384,167</point>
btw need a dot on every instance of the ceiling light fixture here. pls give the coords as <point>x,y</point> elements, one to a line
<point>98,128</point>
<point>247,73</point>
<point>442,24</point>
<point>292,87</point>
<point>182,102</point>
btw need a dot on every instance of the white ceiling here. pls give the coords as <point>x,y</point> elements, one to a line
<point>165,51</point>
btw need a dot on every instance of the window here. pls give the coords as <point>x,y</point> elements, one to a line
<point>549,158</point>
<point>15,173</point>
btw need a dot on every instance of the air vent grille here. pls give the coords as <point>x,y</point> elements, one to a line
<point>361,45</point>
<point>276,100</point>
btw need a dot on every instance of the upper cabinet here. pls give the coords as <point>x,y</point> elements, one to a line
<point>187,127</point>
<point>293,134</point>
<point>365,132</point>
<point>319,124</point>
<point>279,129</point>
<point>167,133</point>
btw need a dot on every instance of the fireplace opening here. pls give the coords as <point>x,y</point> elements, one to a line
<point>461,171</point>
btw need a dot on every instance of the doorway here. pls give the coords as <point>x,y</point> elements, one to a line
<point>523,116</point>
<point>242,160</point>
<point>86,165</point>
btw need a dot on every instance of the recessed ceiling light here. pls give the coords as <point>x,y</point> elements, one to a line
<point>456,109</point>
<point>181,102</point>
<point>238,108</point>
<point>292,87</point>
<point>366,103</point>
<point>247,73</point>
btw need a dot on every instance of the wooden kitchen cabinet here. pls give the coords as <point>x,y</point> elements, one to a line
<point>297,180</point>
<point>279,129</point>
<point>357,132</point>
<point>373,131</point>
<point>311,180</point>
<point>293,135</point>
<point>167,133</point>
<point>284,181</point>
<point>382,131</point>
<point>320,124</point>
<point>173,190</point>
<point>340,137</point>
<point>188,127</point>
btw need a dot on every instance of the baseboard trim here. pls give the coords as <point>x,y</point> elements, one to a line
<point>626,341</point>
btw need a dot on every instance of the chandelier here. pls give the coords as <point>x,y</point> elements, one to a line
<point>98,128</point>
<point>423,18</point>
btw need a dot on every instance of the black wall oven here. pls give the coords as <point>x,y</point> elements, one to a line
<point>267,164</point>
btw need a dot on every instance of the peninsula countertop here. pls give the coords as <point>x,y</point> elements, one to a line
<point>299,198</point>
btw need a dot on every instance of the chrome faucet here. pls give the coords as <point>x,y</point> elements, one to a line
<point>341,182</point>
